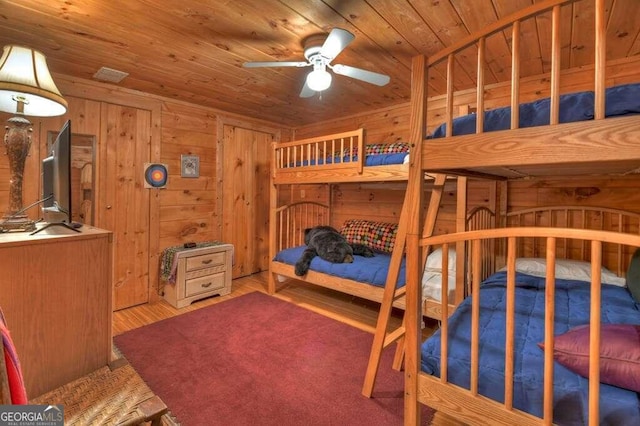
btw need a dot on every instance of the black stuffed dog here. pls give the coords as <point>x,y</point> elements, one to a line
<point>330,245</point>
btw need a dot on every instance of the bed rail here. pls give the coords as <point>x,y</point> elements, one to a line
<point>323,154</point>
<point>615,257</point>
<point>293,219</point>
<point>587,147</point>
<point>441,395</point>
<point>478,218</point>
<point>511,24</point>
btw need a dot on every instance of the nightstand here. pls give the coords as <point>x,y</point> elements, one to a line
<point>201,272</point>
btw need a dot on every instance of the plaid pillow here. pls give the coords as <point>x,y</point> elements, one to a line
<point>379,148</point>
<point>387,148</point>
<point>378,236</point>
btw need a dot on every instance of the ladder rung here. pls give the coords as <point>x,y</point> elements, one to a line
<point>393,336</point>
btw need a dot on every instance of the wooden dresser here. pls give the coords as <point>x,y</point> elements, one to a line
<point>201,272</point>
<point>55,291</point>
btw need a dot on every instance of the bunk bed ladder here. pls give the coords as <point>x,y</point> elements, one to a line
<point>382,338</point>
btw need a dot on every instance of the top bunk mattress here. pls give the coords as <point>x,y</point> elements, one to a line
<point>382,154</point>
<point>619,100</point>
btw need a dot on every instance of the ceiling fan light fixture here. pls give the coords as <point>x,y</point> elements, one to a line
<point>319,80</point>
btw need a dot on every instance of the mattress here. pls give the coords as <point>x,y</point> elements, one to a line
<point>382,154</point>
<point>617,406</point>
<point>369,270</point>
<point>619,100</point>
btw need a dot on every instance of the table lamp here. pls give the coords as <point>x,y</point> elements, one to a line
<point>26,88</point>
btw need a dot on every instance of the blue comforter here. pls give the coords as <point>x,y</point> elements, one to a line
<point>371,270</point>
<point>619,100</point>
<point>617,406</point>
<point>370,160</point>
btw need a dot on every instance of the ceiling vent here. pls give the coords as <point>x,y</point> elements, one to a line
<point>110,75</point>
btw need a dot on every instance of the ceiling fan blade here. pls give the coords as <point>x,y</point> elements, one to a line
<point>306,91</point>
<point>335,43</point>
<point>360,74</point>
<point>275,64</point>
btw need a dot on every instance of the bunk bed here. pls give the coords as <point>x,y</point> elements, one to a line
<point>325,159</point>
<point>334,159</point>
<point>451,377</point>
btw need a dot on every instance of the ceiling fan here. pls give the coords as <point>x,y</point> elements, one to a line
<point>319,55</point>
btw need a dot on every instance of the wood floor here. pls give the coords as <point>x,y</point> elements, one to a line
<point>348,309</point>
<point>357,312</point>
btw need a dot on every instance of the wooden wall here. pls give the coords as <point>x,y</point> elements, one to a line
<point>383,201</point>
<point>187,209</point>
<point>619,192</point>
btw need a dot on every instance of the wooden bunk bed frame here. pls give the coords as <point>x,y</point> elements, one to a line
<point>600,146</point>
<point>291,221</point>
<point>468,405</point>
<point>302,162</point>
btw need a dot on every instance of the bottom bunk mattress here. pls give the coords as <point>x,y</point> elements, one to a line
<point>369,270</point>
<point>618,406</point>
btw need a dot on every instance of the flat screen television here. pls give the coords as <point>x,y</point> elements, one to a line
<point>56,181</point>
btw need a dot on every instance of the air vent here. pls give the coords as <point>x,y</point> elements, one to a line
<point>110,75</point>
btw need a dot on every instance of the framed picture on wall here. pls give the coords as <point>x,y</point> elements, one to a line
<point>190,166</point>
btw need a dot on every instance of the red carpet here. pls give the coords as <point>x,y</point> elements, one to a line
<point>257,360</point>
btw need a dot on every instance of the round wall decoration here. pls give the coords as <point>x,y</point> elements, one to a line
<point>155,175</point>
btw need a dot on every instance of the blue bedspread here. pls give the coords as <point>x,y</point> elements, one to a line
<point>370,160</point>
<point>617,406</point>
<point>371,270</point>
<point>619,100</point>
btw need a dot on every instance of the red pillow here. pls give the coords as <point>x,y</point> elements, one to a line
<point>619,353</point>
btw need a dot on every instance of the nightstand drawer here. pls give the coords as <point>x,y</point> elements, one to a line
<point>205,261</point>
<point>204,284</point>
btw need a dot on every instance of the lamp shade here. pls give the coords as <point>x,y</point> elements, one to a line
<point>24,77</point>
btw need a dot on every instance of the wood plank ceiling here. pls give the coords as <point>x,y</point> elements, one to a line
<point>193,50</point>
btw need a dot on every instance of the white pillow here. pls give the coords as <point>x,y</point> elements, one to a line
<point>434,260</point>
<point>566,270</point>
<point>432,285</point>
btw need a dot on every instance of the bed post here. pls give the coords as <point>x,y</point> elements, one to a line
<point>273,206</point>
<point>412,203</point>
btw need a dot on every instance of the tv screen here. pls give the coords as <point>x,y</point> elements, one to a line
<point>56,178</point>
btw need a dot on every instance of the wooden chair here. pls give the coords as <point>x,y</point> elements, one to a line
<point>113,395</point>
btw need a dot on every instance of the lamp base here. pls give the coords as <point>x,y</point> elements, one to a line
<point>17,224</point>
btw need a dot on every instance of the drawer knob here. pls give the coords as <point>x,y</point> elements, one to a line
<point>206,262</point>
<point>206,285</point>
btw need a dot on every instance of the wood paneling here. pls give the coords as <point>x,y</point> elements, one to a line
<point>124,149</point>
<point>187,130</point>
<point>186,210</point>
<point>245,202</point>
<point>619,192</point>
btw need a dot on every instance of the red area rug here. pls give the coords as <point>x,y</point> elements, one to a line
<point>257,360</point>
